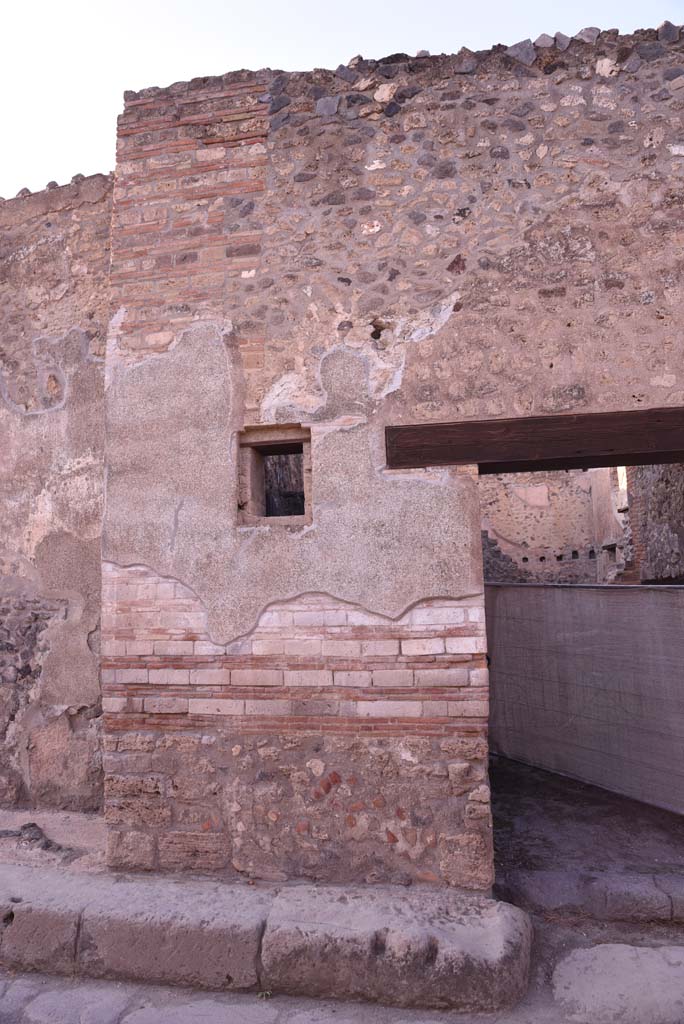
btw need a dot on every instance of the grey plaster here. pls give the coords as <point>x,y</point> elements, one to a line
<point>172,425</point>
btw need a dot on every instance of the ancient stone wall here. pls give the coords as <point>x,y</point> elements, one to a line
<point>300,260</point>
<point>656,508</point>
<point>553,527</point>
<point>54,249</point>
<point>329,743</point>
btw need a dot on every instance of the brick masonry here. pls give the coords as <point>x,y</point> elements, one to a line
<point>330,742</point>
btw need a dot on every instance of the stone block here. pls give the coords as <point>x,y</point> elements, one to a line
<point>361,679</point>
<point>210,677</point>
<point>169,677</point>
<point>114,704</point>
<point>442,676</point>
<point>130,850</point>
<point>267,707</point>
<point>379,648</point>
<point>432,645</point>
<point>200,934</point>
<point>620,984</point>
<point>309,677</point>
<point>38,935</point>
<point>419,947</point>
<point>198,706</point>
<point>393,677</point>
<point>341,648</point>
<point>523,52</point>
<point>466,644</point>
<point>256,677</point>
<point>165,705</point>
<point>88,1004</point>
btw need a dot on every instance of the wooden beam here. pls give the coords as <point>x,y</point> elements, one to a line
<point>527,443</point>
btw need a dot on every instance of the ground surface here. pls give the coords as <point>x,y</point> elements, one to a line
<point>545,826</point>
<point>544,821</point>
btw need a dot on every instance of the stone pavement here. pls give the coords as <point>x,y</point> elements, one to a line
<point>588,864</point>
<point>612,983</point>
<point>565,847</point>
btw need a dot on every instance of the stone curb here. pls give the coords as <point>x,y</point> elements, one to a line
<point>625,897</point>
<point>407,947</point>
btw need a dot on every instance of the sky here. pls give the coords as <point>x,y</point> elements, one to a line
<point>66,63</point>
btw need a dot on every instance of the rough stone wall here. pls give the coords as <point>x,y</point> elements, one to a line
<point>554,527</point>
<point>53,316</point>
<point>656,511</point>
<point>404,240</point>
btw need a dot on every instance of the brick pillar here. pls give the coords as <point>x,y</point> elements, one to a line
<point>291,699</point>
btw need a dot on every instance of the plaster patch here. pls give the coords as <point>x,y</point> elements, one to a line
<point>292,390</point>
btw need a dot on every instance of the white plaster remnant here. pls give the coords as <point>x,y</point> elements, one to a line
<point>375,165</point>
<point>293,390</point>
<point>428,321</point>
<point>387,368</point>
<point>676,149</point>
<point>372,228</point>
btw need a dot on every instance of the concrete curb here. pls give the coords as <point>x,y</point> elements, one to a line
<point>633,898</point>
<point>406,947</point>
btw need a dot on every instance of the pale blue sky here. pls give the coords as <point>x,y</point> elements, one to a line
<point>66,63</point>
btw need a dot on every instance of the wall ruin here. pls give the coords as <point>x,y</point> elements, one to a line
<point>403,240</point>
<point>656,498</point>
<point>54,311</point>
<point>317,256</point>
<point>553,527</point>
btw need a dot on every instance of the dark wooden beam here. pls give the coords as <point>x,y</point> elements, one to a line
<point>527,443</point>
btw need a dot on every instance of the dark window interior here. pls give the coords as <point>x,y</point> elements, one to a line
<point>284,482</point>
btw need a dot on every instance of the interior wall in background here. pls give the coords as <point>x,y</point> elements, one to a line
<point>656,503</point>
<point>565,526</point>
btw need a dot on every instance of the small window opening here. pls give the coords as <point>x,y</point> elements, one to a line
<point>575,554</point>
<point>559,558</point>
<point>592,553</point>
<point>525,558</point>
<point>284,483</point>
<point>542,558</point>
<point>274,475</point>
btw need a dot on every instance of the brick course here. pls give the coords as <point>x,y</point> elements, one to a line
<point>400,690</point>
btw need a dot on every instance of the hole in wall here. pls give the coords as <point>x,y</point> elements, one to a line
<point>378,325</point>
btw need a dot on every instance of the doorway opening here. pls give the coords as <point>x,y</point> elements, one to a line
<point>583,553</point>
